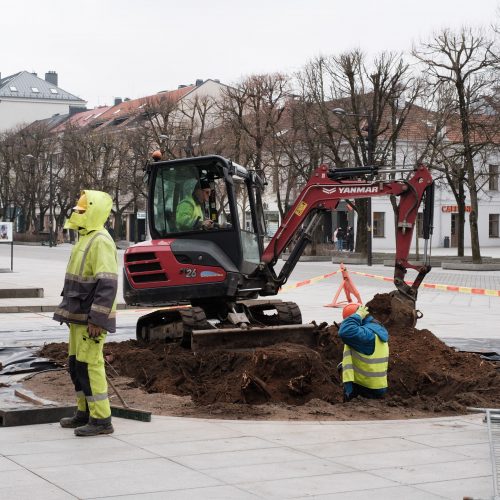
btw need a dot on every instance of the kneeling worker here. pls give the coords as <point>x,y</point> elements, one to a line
<point>366,353</point>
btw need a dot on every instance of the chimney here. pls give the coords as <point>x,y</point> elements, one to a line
<point>216,80</point>
<point>73,110</point>
<point>51,77</point>
<point>199,82</point>
<point>118,100</point>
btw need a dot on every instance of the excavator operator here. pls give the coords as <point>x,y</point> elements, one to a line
<point>190,214</point>
<point>366,353</point>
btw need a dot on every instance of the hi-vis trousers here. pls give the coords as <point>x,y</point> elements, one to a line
<point>87,371</point>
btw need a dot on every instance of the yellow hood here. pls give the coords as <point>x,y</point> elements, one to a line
<point>99,206</point>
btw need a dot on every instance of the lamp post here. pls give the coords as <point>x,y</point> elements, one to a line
<point>51,206</point>
<point>370,158</point>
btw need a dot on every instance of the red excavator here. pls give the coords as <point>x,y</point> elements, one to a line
<point>206,278</point>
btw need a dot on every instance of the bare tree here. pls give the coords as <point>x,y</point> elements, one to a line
<point>465,63</point>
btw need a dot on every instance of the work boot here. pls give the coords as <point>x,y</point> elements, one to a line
<point>95,426</point>
<point>77,420</point>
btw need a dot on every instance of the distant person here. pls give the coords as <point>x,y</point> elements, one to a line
<point>366,354</point>
<point>350,239</point>
<point>340,236</point>
<point>89,308</point>
<point>190,212</point>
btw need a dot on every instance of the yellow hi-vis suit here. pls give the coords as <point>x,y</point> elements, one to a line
<point>369,371</point>
<point>89,296</point>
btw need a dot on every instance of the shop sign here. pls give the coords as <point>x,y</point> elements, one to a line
<point>453,209</point>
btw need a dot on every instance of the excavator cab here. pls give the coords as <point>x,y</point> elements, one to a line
<point>194,200</point>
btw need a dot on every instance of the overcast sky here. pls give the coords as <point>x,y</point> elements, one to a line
<point>104,49</point>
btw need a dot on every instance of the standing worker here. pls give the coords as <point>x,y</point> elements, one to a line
<point>366,353</point>
<point>89,308</point>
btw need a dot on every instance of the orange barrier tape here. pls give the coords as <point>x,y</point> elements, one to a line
<point>436,286</point>
<point>308,282</point>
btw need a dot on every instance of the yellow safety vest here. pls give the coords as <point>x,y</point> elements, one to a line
<point>370,371</point>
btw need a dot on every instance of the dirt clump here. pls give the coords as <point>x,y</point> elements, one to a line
<point>426,377</point>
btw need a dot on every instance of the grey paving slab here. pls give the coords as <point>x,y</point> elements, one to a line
<point>385,459</point>
<point>450,439</point>
<point>44,491</point>
<point>7,464</point>
<point>208,493</point>
<point>360,447</point>
<point>187,433</point>
<point>317,485</point>
<point>19,477</point>
<point>481,450</point>
<point>61,445</point>
<point>124,477</point>
<point>75,455</point>
<point>427,473</point>
<point>476,487</point>
<point>392,493</point>
<point>280,470</point>
<point>244,457</point>
<point>182,448</point>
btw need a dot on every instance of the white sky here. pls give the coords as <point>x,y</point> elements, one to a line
<point>103,49</point>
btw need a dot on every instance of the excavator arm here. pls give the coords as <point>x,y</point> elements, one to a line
<point>327,187</point>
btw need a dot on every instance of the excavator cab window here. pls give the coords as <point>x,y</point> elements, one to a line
<point>189,198</point>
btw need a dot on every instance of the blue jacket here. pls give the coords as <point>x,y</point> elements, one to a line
<point>359,334</point>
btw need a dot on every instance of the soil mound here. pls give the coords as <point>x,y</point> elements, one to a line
<point>424,374</point>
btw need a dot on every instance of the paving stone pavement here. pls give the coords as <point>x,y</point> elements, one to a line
<point>178,458</point>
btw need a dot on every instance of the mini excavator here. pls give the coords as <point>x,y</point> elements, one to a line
<point>210,285</point>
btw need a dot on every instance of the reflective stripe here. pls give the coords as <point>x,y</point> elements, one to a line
<point>365,373</point>
<point>107,276</point>
<point>97,397</point>
<point>365,359</point>
<point>80,279</point>
<point>80,394</point>
<point>66,314</point>
<point>100,309</point>
<point>87,250</point>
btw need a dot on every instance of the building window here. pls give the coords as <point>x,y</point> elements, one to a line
<point>13,88</point>
<point>53,91</point>
<point>493,178</point>
<point>378,224</point>
<point>35,90</point>
<point>494,225</point>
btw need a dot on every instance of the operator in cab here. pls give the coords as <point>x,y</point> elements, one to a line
<point>366,353</point>
<point>190,212</point>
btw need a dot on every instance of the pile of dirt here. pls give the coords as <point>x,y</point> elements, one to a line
<point>425,376</point>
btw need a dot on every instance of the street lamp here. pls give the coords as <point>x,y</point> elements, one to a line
<point>51,205</point>
<point>370,155</point>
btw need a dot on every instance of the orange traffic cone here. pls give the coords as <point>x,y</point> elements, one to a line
<point>348,286</point>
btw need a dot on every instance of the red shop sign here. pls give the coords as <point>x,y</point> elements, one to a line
<point>454,209</point>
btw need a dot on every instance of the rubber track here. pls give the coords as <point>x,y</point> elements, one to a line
<point>193,319</point>
<point>289,313</point>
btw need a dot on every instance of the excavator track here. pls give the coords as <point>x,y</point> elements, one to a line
<point>189,326</point>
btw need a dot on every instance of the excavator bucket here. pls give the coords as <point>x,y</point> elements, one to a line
<point>252,337</point>
<point>403,312</point>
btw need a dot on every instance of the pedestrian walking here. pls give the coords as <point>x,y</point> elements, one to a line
<point>88,307</point>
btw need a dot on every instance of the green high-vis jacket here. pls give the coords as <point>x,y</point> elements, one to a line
<point>91,280</point>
